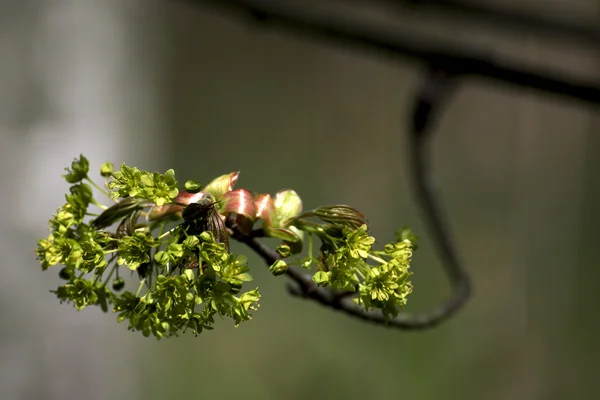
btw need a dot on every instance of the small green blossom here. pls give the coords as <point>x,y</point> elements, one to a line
<point>107,169</point>
<point>78,171</point>
<point>156,187</point>
<point>83,293</point>
<point>135,250</point>
<point>358,241</point>
<point>48,253</point>
<point>279,267</point>
<point>284,250</point>
<point>322,278</point>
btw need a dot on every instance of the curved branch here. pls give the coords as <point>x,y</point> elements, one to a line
<point>446,63</point>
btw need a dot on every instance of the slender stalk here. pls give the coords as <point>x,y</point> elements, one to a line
<point>375,258</point>
<point>114,267</point>
<point>103,191</point>
<point>142,283</point>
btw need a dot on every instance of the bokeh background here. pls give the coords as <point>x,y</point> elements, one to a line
<point>165,84</point>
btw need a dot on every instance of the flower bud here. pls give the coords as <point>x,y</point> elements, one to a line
<point>287,205</point>
<point>279,267</point>
<point>240,202</point>
<point>341,215</point>
<point>221,185</point>
<point>106,169</point>
<point>118,284</point>
<point>265,208</point>
<point>65,273</point>
<point>284,250</point>
<point>193,186</point>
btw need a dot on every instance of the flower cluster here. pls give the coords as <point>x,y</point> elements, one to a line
<point>185,277</point>
<point>156,187</point>
<point>187,273</point>
<point>343,262</point>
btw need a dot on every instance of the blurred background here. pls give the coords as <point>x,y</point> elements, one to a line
<point>169,84</point>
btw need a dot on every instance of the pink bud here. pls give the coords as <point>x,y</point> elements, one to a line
<point>239,201</point>
<point>264,207</point>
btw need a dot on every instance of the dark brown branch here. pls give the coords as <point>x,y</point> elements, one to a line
<point>467,62</point>
<point>307,289</point>
<point>504,17</point>
<point>447,64</point>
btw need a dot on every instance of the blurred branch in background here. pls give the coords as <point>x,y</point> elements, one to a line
<point>446,64</point>
<point>461,60</point>
<point>506,18</point>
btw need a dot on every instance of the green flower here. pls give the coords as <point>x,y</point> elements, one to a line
<point>358,242</point>
<point>63,219</point>
<point>234,272</point>
<point>83,292</point>
<point>386,287</point>
<point>156,187</point>
<point>126,182</point>
<point>78,171</point>
<point>279,267</point>
<point>48,253</point>
<point>159,188</point>
<point>92,257</point>
<point>79,200</point>
<point>135,250</point>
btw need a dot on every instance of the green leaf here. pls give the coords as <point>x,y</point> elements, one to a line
<point>117,212</point>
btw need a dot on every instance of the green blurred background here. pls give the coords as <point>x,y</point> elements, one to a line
<point>161,84</point>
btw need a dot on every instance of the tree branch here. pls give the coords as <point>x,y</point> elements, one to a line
<point>446,65</point>
<point>503,17</point>
<point>461,61</point>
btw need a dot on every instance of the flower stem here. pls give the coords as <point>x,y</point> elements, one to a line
<point>110,274</point>
<point>104,192</point>
<point>142,283</point>
<point>164,235</point>
<point>375,258</point>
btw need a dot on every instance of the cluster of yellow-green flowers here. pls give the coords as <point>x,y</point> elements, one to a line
<point>178,243</point>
